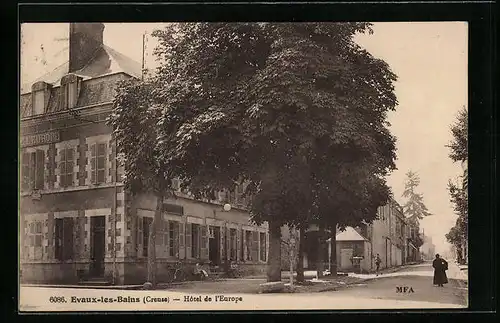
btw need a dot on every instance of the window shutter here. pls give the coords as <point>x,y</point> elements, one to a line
<point>140,237</point>
<point>32,171</point>
<point>267,247</point>
<point>58,238</point>
<point>255,246</point>
<point>68,239</point>
<point>244,255</point>
<point>26,171</point>
<point>176,239</point>
<point>165,238</point>
<point>182,248</point>
<point>204,242</point>
<point>222,243</point>
<point>93,164</point>
<point>40,167</point>
<point>189,232</point>
<point>228,243</point>
<point>238,245</point>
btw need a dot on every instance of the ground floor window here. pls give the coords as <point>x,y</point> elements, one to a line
<point>173,238</point>
<point>233,244</point>
<point>248,245</point>
<point>64,238</point>
<point>35,234</point>
<point>195,241</point>
<point>263,246</point>
<point>146,227</point>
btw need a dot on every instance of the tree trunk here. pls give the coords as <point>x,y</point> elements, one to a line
<point>320,264</point>
<point>300,261</point>
<point>274,261</point>
<point>152,239</point>
<point>333,251</point>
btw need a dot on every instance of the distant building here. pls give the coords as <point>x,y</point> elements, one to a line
<point>357,248</point>
<point>76,220</point>
<point>428,249</point>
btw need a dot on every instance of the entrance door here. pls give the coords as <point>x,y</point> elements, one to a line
<point>214,245</point>
<point>97,246</point>
<point>345,258</point>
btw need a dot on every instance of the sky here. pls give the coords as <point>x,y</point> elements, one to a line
<point>429,58</point>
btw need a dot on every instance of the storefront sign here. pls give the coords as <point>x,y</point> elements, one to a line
<point>40,139</point>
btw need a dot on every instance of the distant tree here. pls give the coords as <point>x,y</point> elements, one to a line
<point>460,131</point>
<point>458,191</point>
<point>414,208</point>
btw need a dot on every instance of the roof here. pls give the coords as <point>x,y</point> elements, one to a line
<point>105,61</point>
<point>350,235</point>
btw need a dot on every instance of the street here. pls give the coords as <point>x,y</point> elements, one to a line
<point>372,292</point>
<point>418,282</point>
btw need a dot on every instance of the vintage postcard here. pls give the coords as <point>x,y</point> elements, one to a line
<point>243,166</point>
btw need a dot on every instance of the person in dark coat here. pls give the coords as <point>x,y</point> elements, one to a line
<point>440,267</point>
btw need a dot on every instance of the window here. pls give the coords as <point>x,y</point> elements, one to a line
<point>233,244</point>
<point>66,165</point>
<point>35,234</point>
<point>38,103</point>
<point>98,163</point>
<point>33,170</point>
<point>248,238</point>
<point>64,239</point>
<point>176,184</point>
<point>173,243</point>
<point>195,240</point>
<point>70,92</point>
<point>263,246</point>
<point>146,222</point>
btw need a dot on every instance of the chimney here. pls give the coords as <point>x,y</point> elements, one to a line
<point>84,40</point>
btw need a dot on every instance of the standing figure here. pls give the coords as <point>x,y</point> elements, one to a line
<point>440,267</point>
<point>378,261</point>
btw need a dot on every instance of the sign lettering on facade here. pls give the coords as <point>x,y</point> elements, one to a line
<point>40,139</point>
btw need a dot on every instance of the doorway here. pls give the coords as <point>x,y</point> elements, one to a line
<point>97,245</point>
<point>214,245</point>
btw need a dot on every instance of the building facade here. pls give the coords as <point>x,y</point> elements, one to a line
<point>76,219</point>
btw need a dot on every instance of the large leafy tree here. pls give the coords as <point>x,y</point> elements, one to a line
<point>298,111</point>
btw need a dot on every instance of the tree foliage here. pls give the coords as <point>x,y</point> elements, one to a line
<point>459,144</point>
<point>414,208</point>
<point>292,108</point>
<point>297,111</point>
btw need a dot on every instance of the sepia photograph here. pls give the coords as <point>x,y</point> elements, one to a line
<point>245,166</point>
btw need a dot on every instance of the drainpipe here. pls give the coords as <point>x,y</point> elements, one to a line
<point>114,212</point>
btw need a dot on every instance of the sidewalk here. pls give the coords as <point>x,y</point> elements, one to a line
<point>459,272</point>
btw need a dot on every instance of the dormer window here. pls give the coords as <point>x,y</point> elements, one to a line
<point>40,96</point>
<point>38,103</point>
<point>69,87</point>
